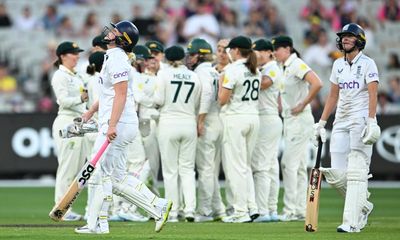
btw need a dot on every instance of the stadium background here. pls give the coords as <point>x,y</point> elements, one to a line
<point>31,30</point>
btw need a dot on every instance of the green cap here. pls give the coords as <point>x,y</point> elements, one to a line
<point>263,45</point>
<point>99,41</point>
<point>240,42</point>
<point>282,41</point>
<point>67,47</point>
<point>199,45</point>
<point>142,52</point>
<point>155,46</point>
<point>97,58</point>
<point>174,53</point>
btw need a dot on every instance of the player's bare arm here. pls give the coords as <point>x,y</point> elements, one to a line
<point>89,114</point>
<point>120,89</point>
<point>315,86</point>
<point>373,98</point>
<point>266,82</point>
<point>224,96</point>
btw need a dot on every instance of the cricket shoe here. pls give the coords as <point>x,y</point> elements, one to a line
<point>274,217</point>
<point>219,216</point>
<point>164,215</point>
<point>115,218</point>
<point>254,216</point>
<point>347,229</point>
<point>263,218</point>
<point>203,218</point>
<point>132,216</point>
<point>237,218</point>
<point>85,230</point>
<point>173,219</point>
<point>72,216</point>
<point>365,212</point>
<point>189,217</point>
<point>288,218</point>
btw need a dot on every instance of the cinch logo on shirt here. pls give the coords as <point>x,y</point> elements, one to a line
<point>118,75</point>
<point>349,85</point>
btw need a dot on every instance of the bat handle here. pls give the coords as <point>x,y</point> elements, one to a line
<point>100,152</point>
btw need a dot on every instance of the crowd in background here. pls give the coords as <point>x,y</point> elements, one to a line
<point>208,19</point>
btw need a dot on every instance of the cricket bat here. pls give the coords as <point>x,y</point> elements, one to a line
<point>76,186</point>
<point>314,189</point>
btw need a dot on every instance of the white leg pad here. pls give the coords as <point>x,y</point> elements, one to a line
<point>336,178</point>
<point>95,200</point>
<point>128,190</point>
<point>356,195</point>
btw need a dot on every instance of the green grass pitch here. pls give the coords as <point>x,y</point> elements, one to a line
<point>23,215</point>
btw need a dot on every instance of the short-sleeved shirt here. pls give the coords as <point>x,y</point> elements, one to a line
<point>178,92</point>
<point>268,102</point>
<point>245,88</point>
<point>67,86</point>
<point>353,80</point>
<point>209,78</point>
<point>294,87</point>
<point>116,68</point>
<point>144,87</point>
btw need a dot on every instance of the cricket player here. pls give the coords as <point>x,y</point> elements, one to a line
<point>239,97</point>
<point>265,165</point>
<point>119,124</point>
<point>71,97</point>
<point>354,88</point>
<point>300,85</point>
<point>209,130</point>
<point>157,51</point>
<point>178,96</point>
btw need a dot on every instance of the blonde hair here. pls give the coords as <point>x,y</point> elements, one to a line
<point>175,64</point>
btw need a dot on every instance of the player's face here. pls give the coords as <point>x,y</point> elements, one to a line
<point>348,41</point>
<point>152,65</point>
<point>157,55</point>
<point>282,53</point>
<point>70,60</point>
<point>222,57</point>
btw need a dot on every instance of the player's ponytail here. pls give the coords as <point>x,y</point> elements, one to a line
<point>91,69</point>
<point>251,62</point>
<point>293,50</point>
<point>57,63</point>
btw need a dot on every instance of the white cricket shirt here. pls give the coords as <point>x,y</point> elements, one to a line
<point>209,78</point>
<point>352,80</point>
<point>268,100</point>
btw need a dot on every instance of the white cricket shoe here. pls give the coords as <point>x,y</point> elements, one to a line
<point>288,217</point>
<point>203,218</point>
<point>237,218</point>
<point>347,229</point>
<point>132,216</point>
<point>263,218</point>
<point>274,217</point>
<point>365,212</point>
<point>164,215</point>
<point>71,216</point>
<point>189,217</point>
<point>85,230</point>
<point>173,219</point>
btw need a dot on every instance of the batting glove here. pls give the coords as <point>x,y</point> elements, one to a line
<point>319,132</point>
<point>371,133</point>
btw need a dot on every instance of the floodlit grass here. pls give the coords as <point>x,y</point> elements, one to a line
<point>23,215</point>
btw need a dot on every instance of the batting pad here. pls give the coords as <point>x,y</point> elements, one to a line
<point>336,178</point>
<point>356,195</point>
<point>133,195</point>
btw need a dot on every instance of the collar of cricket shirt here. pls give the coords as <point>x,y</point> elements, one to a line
<point>63,68</point>
<point>355,58</point>
<point>290,59</point>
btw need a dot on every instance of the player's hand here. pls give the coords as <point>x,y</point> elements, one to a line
<point>298,109</point>
<point>371,133</point>
<point>319,132</point>
<point>200,129</point>
<point>111,133</point>
<point>87,116</point>
<point>84,96</point>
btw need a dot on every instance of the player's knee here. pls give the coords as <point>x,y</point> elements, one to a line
<point>357,167</point>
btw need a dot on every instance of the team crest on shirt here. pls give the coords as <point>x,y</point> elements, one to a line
<point>358,74</point>
<point>272,73</point>
<point>140,86</point>
<point>340,70</point>
<point>303,66</point>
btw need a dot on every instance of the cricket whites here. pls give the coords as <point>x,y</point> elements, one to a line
<point>76,186</point>
<point>314,189</point>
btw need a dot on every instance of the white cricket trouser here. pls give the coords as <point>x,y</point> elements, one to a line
<point>298,131</point>
<point>264,162</point>
<point>177,138</point>
<point>239,140</point>
<point>71,155</point>
<point>346,137</point>
<point>152,150</point>
<point>207,161</point>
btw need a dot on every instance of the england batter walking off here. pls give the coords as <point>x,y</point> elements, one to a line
<point>265,165</point>
<point>71,98</point>
<point>354,86</point>
<point>178,95</point>
<point>299,87</point>
<point>119,124</point>
<point>239,97</point>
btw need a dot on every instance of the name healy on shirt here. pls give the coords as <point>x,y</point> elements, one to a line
<point>182,76</point>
